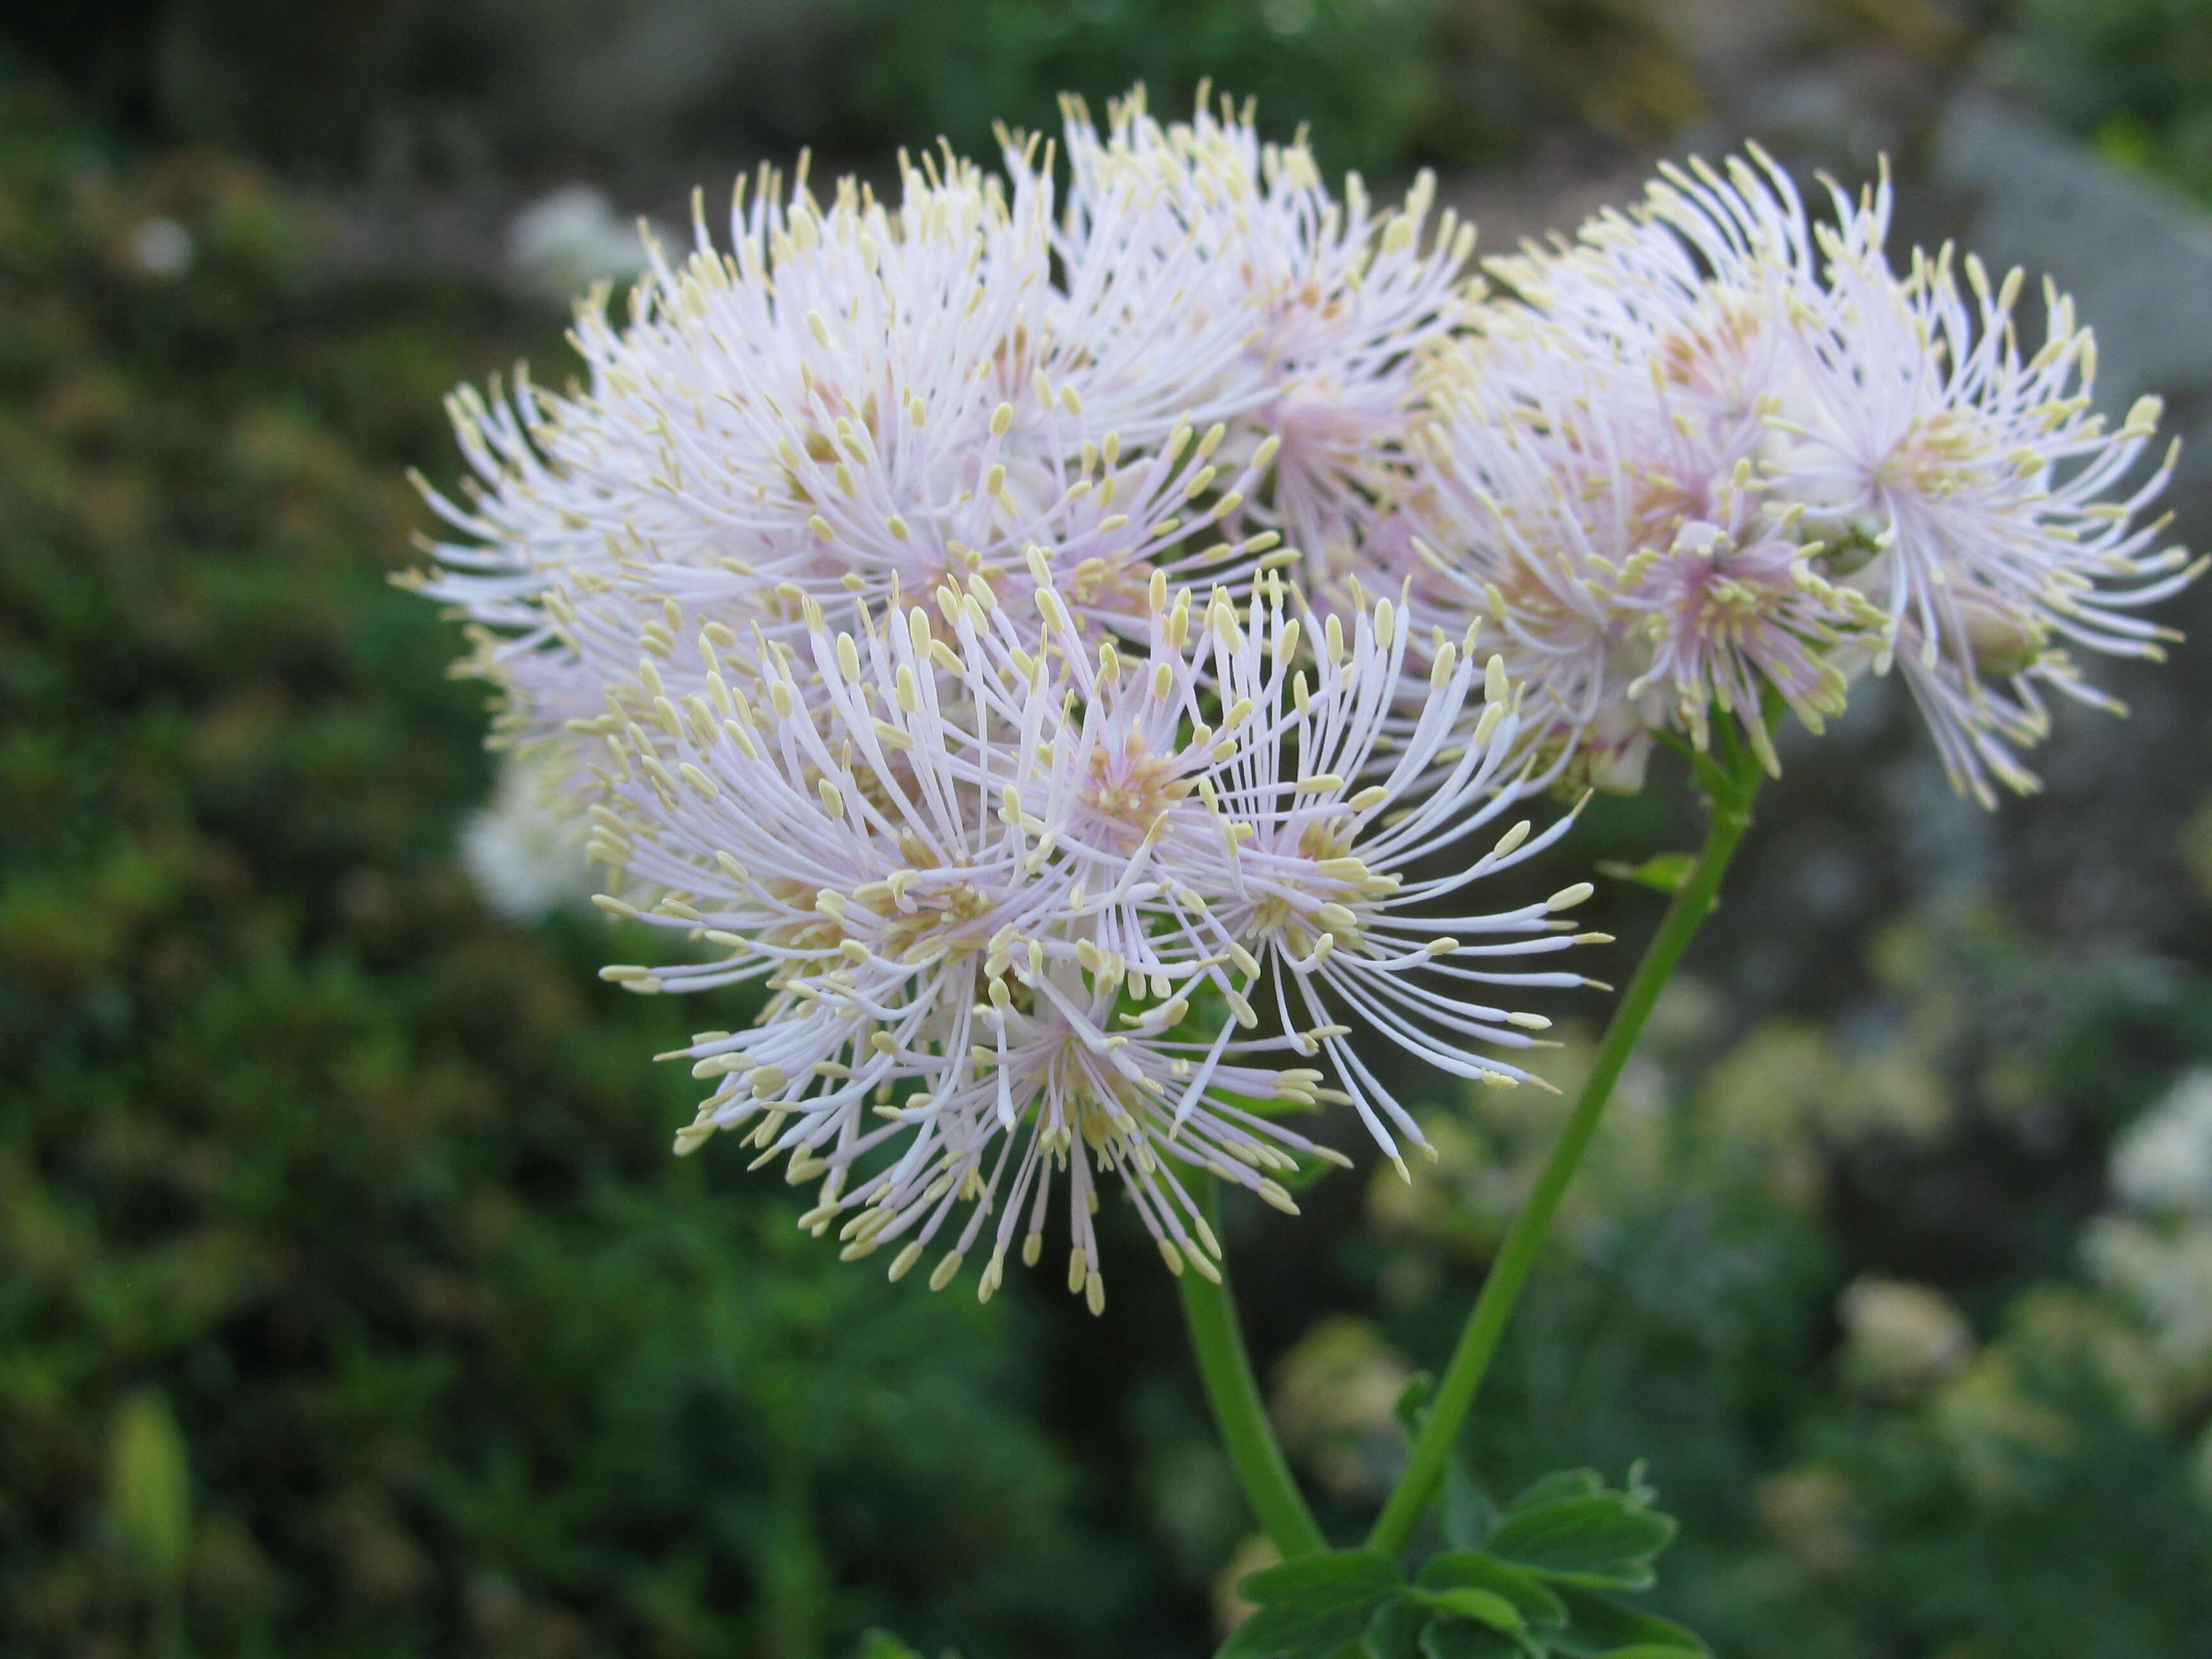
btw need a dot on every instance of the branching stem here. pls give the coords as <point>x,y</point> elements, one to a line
<point>1210,1311</point>
<point>1731,788</point>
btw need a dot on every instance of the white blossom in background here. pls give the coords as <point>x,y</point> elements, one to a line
<point>1031,918</point>
<point>2164,1273</point>
<point>2163,1163</point>
<point>2155,1247</point>
<point>570,238</point>
<point>162,247</point>
<point>1335,1401</point>
<point>1900,1338</point>
<point>526,851</point>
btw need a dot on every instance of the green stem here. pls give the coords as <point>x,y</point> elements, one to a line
<point>1732,790</point>
<point>1241,1415</point>
<point>793,1578</point>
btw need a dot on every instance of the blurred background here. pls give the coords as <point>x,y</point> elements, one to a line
<point>350,1302</point>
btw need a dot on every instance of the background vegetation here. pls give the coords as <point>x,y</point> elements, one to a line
<point>349,1303</point>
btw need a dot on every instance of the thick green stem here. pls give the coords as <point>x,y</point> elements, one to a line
<point>1731,790</point>
<point>1241,1415</point>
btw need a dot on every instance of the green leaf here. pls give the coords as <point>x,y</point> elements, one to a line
<point>1599,1624</point>
<point>1471,1569</point>
<point>1605,1539</point>
<point>1395,1631</point>
<point>882,1645</point>
<point>1467,1514</point>
<point>1485,1606</point>
<point>1461,1639</point>
<point>1411,1409</point>
<point>1558,1485</point>
<point>1664,872</point>
<point>1647,1651</point>
<point>1312,1606</point>
<point>1323,1579</point>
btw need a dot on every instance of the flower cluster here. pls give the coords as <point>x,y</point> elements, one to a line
<point>899,597</point>
<point>1712,454</point>
<point>959,618</point>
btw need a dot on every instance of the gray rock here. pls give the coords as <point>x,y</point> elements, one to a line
<point>2137,260</point>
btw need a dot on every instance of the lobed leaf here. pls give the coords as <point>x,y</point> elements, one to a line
<point>1461,1639</point>
<point>1472,1569</point>
<point>1394,1630</point>
<point>1558,1485</point>
<point>1599,1626</point>
<point>1604,1540</point>
<point>1313,1606</point>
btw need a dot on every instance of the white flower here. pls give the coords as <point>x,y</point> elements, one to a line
<point>1687,310</point>
<point>1321,809</point>
<point>2165,1274</point>
<point>1712,448</point>
<point>1999,517</point>
<point>2156,1249</point>
<point>1333,305</point>
<point>874,850</point>
<point>856,401</point>
<point>1635,568</point>
<point>1015,907</point>
<point>570,238</point>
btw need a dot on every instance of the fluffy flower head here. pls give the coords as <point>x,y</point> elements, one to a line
<point>1336,302</point>
<point>1031,917</point>
<point>1714,452</point>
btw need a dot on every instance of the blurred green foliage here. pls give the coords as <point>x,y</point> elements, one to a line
<point>350,1300</point>
<point>395,91</point>
<point>1383,83</point>
<point>1830,1283</point>
<point>1355,69</point>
